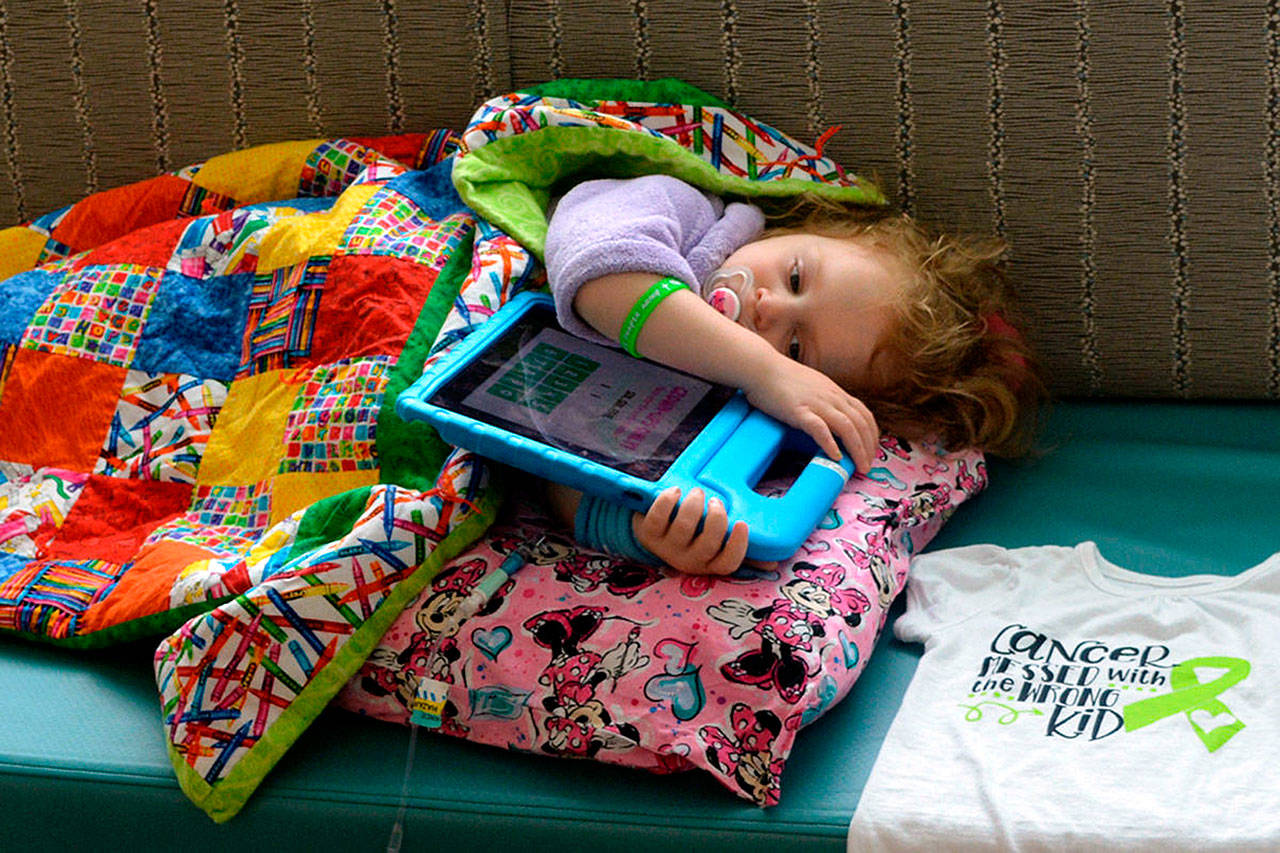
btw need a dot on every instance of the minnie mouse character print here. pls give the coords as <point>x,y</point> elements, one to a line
<point>746,755</point>
<point>577,722</point>
<point>787,626</point>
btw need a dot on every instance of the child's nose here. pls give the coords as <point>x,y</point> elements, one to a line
<point>766,309</point>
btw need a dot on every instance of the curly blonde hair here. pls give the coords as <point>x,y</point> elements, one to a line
<point>968,378</point>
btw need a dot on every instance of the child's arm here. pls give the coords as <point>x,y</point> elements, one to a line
<point>688,334</point>
<point>671,534</point>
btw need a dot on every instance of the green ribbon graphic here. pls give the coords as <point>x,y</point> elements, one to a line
<point>1189,695</point>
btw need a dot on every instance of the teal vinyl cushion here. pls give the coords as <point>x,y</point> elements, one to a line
<point>1163,488</point>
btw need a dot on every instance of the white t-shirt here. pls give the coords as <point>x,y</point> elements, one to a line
<point>1064,703</point>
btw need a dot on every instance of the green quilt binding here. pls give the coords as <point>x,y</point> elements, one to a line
<point>410,454</point>
<point>664,90</point>
<point>150,626</point>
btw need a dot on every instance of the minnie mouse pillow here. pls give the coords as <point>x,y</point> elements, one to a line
<point>583,655</point>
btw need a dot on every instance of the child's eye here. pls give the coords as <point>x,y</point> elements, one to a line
<point>793,348</point>
<point>795,279</point>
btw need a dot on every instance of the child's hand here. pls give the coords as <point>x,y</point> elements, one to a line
<point>678,542</point>
<point>811,401</point>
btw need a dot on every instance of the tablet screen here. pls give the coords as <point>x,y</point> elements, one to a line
<point>590,400</point>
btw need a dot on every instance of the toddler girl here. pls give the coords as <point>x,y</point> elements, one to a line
<point>837,321</point>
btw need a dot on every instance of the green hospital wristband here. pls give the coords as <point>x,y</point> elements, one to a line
<point>645,305</point>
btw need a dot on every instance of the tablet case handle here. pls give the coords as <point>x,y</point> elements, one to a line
<point>776,523</point>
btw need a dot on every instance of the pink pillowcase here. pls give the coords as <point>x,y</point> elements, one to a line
<point>581,655</point>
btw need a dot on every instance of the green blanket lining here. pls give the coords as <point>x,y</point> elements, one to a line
<point>509,181</point>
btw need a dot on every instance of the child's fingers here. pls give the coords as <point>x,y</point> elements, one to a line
<point>731,555</point>
<point>842,424</point>
<point>654,523</point>
<point>859,433</point>
<point>859,446</point>
<point>862,416</point>
<point>685,523</point>
<point>814,426</point>
<point>707,543</point>
<point>852,435</point>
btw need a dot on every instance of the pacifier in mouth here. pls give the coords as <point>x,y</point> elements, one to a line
<point>726,286</point>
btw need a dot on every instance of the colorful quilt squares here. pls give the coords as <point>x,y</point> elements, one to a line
<point>21,297</point>
<point>391,224</point>
<point>334,166</point>
<point>222,541</point>
<point>199,201</point>
<point>161,426</point>
<point>247,444</point>
<point>229,574</point>
<point>163,399</point>
<point>332,425</point>
<point>112,517</point>
<point>52,251</point>
<point>282,311</point>
<point>33,505</point>
<point>370,306</point>
<point>20,249</point>
<point>234,506</point>
<point>43,394</point>
<point>225,520</point>
<point>147,247</point>
<point>222,245</point>
<point>195,326</point>
<point>48,597</point>
<point>261,173</point>
<point>293,492</point>
<point>145,589</point>
<point>97,312</point>
<point>317,233</point>
<point>205,579</point>
<point>432,191</point>
<point>108,214</point>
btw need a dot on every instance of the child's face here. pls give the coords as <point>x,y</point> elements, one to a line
<point>826,302</point>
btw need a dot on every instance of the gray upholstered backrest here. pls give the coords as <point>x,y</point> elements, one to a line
<point>1128,150</point>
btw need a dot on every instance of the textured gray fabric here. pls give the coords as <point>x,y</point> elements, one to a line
<point>97,93</point>
<point>1128,150</point>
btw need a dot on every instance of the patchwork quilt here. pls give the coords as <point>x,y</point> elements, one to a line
<point>198,376</point>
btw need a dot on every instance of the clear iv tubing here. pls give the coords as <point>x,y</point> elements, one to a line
<point>484,590</point>
<point>397,829</point>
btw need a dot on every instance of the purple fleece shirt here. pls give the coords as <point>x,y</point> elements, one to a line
<point>655,224</point>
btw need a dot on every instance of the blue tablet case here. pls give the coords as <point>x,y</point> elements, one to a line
<point>523,392</point>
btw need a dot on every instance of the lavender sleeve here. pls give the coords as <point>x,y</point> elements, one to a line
<point>655,224</point>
